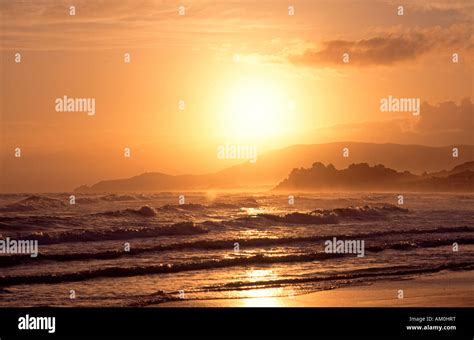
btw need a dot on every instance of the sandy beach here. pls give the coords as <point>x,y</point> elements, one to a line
<point>444,289</point>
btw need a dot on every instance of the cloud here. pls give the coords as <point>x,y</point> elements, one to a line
<point>447,117</point>
<point>443,124</point>
<point>390,48</point>
<point>439,5</point>
<point>47,25</point>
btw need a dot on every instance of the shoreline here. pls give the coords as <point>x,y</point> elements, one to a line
<point>442,289</point>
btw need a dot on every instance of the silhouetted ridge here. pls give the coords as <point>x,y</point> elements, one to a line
<point>273,166</point>
<point>362,176</point>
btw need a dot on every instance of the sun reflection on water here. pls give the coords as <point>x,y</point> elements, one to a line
<point>267,297</point>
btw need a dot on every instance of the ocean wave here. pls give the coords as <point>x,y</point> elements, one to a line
<point>302,284</point>
<point>297,218</point>
<point>222,205</point>
<point>364,212</point>
<point>183,228</point>
<point>34,202</point>
<point>87,200</point>
<point>163,268</point>
<point>367,274</point>
<point>258,259</point>
<point>144,211</point>
<point>113,198</point>
<point>331,216</point>
<point>260,242</point>
<point>118,198</point>
<point>7,261</point>
<point>413,244</point>
<point>34,221</point>
<point>248,202</point>
<point>181,207</point>
<point>198,207</point>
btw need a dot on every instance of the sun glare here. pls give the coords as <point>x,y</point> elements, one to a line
<point>255,110</point>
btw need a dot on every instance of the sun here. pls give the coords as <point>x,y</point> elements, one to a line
<point>254,109</point>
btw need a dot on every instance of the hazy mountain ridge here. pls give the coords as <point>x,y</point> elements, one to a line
<point>271,167</point>
<point>364,177</point>
<point>274,166</point>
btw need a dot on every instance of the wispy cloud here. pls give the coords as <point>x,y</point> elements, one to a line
<point>47,25</point>
<point>390,48</point>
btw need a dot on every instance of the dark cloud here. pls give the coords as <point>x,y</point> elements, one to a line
<point>388,49</point>
<point>447,117</point>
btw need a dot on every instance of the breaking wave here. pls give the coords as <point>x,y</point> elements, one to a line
<point>163,268</point>
<point>262,242</point>
<point>145,211</point>
<point>332,216</point>
<point>183,228</point>
<point>34,202</point>
<point>369,273</point>
<point>118,198</point>
<point>365,212</point>
<point>225,263</point>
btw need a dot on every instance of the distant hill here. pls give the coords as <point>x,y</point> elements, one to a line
<point>468,166</point>
<point>151,182</point>
<point>273,166</point>
<point>364,177</point>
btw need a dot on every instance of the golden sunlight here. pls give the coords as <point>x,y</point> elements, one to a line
<point>255,109</point>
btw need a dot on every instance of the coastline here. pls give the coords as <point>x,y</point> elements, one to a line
<point>443,289</point>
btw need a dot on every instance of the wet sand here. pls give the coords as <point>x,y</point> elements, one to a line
<point>444,289</point>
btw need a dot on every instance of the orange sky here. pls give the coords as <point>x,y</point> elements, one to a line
<point>221,58</point>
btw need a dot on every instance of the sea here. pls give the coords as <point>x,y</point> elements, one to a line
<point>145,249</point>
